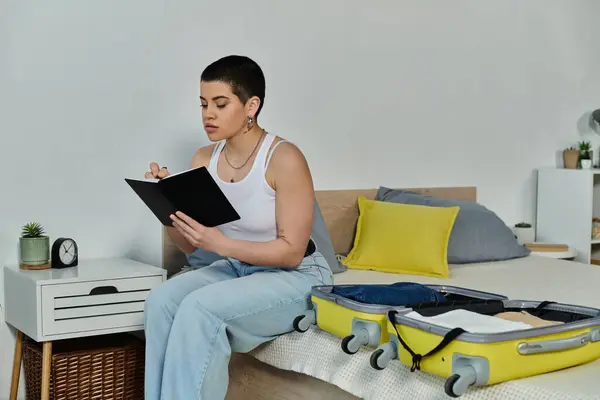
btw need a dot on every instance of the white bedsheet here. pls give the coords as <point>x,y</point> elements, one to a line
<point>318,354</point>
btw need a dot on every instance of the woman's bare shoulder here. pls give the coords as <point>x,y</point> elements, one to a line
<point>280,152</point>
<point>201,157</point>
<point>286,161</point>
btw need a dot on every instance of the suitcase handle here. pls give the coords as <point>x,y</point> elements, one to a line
<point>547,346</point>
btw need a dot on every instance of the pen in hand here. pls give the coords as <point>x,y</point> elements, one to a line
<point>156,172</point>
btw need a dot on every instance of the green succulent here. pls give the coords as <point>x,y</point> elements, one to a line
<point>32,230</point>
<point>585,149</point>
<point>585,146</point>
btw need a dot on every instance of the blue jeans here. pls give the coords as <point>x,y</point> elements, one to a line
<point>195,320</point>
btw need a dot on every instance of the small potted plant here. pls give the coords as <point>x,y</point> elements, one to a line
<point>524,233</point>
<point>34,247</point>
<point>571,157</point>
<point>585,155</point>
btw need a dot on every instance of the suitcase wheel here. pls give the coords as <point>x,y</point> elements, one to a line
<point>359,337</point>
<point>382,356</point>
<point>297,322</point>
<point>374,360</point>
<point>449,385</point>
<point>350,344</point>
<point>458,384</point>
<point>302,322</point>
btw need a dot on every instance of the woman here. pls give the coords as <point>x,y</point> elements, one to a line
<point>195,320</point>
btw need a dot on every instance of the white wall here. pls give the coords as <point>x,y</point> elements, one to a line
<point>398,93</point>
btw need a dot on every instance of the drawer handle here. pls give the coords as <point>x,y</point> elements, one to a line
<point>103,290</point>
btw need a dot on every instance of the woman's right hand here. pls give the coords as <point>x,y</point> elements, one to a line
<point>156,172</point>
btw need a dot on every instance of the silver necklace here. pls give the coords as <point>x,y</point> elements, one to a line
<point>248,159</point>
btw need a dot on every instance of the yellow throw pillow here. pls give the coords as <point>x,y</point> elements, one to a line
<point>402,238</point>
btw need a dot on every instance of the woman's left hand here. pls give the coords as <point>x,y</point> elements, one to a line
<point>209,239</point>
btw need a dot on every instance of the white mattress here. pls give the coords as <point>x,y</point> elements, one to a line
<point>318,354</point>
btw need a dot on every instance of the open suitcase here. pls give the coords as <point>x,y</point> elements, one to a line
<point>567,335</point>
<point>337,309</point>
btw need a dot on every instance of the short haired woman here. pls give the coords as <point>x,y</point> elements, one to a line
<point>269,263</point>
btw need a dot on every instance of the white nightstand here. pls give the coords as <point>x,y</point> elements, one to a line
<point>99,296</point>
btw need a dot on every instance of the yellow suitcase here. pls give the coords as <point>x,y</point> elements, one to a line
<point>363,324</point>
<point>477,359</point>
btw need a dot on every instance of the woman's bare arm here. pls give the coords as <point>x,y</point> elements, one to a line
<point>289,173</point>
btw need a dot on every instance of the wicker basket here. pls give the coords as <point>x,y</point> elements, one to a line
<point>107,367</point>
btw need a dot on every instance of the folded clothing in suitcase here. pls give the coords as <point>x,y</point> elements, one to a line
<point>489,346</point>
<point>471,321</point>
<point>396,294</point>
<point>358,313</point>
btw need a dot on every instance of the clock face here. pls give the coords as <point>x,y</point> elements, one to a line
<point>67,252</point>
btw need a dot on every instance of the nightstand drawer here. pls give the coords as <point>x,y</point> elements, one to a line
<point>95,305</point>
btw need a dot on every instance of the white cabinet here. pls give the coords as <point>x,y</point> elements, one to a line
<point>97,297</point>
<point>567,201</point>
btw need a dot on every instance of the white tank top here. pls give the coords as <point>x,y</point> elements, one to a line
<point>252,197</point>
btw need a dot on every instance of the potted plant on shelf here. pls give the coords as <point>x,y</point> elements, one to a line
<point>34,247</point>
<point>585,155</point>
<point>571,157</point>
<point>524,233</point>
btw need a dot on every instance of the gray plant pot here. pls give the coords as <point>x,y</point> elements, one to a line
<point>35,251</point>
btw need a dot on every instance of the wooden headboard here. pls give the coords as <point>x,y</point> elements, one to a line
<point>340,212</point>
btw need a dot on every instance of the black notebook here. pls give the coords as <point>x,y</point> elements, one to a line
<point>193,192</point>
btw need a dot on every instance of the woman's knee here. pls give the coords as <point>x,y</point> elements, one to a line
<point>197,308</point>
<point>161,298</point>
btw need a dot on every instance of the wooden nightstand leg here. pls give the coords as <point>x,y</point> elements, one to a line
<point>46,367</point>
<point>16,372</point>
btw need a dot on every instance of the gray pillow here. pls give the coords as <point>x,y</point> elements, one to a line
<point>478,235</point>
<point>320,235</point>
<point>322,239</point>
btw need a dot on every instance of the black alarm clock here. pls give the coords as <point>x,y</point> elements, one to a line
<point>64,253</point>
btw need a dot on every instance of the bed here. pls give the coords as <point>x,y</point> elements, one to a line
<point>311,365</point>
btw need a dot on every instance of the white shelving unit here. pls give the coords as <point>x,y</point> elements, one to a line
<point>567,200</point>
